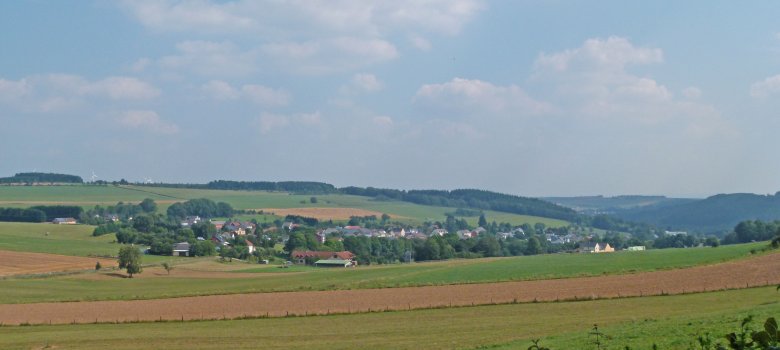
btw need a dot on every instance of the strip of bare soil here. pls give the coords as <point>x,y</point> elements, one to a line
<point>757,271</point>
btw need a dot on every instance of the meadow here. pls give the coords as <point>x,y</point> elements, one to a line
<point>671,322</point>
<point>258,278</point>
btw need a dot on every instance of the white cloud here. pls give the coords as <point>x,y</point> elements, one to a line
<point>188,15</point>
<point>266,96</point>
<point>330,55</point>
<point>310,119</point>
<point>286,17</point>
<point>258,94</point>
<point>121,88</point>
<point>148,121</point>
<point>13,90</point>
<point>383,121</point>
<point>593,82</point>
<point>420,43</point>
<point>58,92</point>
<point>310,37</point>
<point>268,122</point>
<point>366,82</point>
<point>220,90</point>
<point>476,97</point>
<point>611,53</point>
<point>210,58</point>
<point>766,87</point>
<point>691,92</point>
<point>140,65</point>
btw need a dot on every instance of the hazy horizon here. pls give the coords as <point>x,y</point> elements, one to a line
<point>533,99</point>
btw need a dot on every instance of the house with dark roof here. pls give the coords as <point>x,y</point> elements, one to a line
<point>181,249</point>
<point>64,221</point>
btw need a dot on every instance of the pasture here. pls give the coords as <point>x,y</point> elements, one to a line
<point>669,321</point>
<point>80,288</point>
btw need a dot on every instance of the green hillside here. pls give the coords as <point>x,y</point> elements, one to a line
<point>91,195</point>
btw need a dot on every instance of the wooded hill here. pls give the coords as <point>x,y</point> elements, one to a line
<point>24,178</point>
<point>716,214</point>
<point>594,205</point>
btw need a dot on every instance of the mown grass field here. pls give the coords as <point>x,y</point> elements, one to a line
<point>88,196</point>
<point>671,322</point>
<point>75,240</point>
<point>55,239</point>
<point>79,288</point>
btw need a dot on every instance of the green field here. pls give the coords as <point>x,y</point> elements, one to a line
<point>672,322</point>
<point>76,288</point>
<point>55,239</point>
<point>76,240</point>
<point>88,196</point>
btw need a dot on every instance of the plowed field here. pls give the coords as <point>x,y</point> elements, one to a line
<point>758,271</point>
<point>22,263</point>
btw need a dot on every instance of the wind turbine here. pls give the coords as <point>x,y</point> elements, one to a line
<point>94,176</point>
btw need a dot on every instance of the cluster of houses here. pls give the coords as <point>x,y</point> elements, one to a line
<point>231,230</point>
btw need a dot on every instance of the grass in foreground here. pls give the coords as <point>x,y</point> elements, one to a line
<point>670,321</point>
<point>79,288</point>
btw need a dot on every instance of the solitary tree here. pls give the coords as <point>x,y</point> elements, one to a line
<point>130,259</point>
<point>98,266</point>
<point>168,267</point>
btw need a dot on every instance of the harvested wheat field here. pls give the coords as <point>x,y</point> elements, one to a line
<point>23,263</point>
<point>324,213</point>
<point>757,271</point>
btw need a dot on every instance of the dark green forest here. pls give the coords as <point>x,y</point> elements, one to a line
<point>41,177</point>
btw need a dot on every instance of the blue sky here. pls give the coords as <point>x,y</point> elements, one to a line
<point>530,98</point>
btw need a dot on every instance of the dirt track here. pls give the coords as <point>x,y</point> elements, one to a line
<point>738,274</point>
<point>22,263</point>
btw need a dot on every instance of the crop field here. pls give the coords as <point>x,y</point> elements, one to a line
<point>669,321</point>
<point>88,196</point>
<point>19,263</point>
<point>266,279</point>
<point>759,271</point>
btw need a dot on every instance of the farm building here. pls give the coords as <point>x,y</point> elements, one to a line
<point>181,249</point>
<point>333,263</point>
<point>636,248</point>
<point>64,221</point>
<point>300,256</point>
<point>594,247</point>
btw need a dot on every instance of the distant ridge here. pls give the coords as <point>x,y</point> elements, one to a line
<point>716,214</point>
